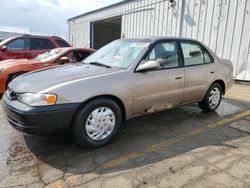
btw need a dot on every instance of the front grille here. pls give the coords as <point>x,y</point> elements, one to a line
<point>12,95</point>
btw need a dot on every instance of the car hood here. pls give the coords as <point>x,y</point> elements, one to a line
<point>11,62</point>
<point>43,79</point>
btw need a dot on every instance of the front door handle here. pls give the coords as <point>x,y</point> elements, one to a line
<point>212,72</point>
<point>178,77</point>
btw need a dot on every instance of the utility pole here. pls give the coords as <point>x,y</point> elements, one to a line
<point>182,17</point>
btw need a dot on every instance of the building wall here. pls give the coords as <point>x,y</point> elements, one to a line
<point>223,25</point>
<point>5,35</point>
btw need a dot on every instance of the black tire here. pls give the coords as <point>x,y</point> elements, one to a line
<point>205,105</point>
<point>79,123</point>
<point>12,77</point>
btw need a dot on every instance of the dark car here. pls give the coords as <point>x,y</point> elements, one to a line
<point>29,46</point>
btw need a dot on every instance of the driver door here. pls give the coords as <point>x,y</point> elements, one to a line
<point>162,88</point>
<point>17,49</point>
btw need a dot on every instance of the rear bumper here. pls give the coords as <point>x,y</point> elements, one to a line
<point>38,120</point>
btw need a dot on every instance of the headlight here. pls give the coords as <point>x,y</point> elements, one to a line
<point>32,99</point>
<point>1,70</point>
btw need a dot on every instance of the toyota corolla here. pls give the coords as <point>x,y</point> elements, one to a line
<point>125,78</point>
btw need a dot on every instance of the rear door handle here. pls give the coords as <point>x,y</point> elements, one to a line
<point>212,72</point>
<point>178,77</point>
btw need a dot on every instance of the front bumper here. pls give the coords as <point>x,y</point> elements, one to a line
<point>38,120</point>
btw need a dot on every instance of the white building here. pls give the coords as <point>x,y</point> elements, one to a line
<point>223,25</point>
<point>5,35</point>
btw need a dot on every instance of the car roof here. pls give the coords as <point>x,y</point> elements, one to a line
<point>39,36</point>
<point>154,39</point>
<point>33,36</point>
<point>78,49</point>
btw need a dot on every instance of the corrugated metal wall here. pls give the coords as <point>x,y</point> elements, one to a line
<point>223,25</point>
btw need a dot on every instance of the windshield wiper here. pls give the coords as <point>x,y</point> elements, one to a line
<point>99,64</point>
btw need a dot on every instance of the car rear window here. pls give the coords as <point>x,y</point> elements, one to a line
<point>62,43</point>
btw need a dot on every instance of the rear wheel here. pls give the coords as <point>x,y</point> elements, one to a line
<point>97,123</point>
<point>212,98</point>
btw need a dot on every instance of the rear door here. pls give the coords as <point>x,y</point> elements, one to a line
<point>197,71</point>
<point>162,88</point>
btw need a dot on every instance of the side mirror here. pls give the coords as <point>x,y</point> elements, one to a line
<point>4,48</point>
<point>148,65</point>
<point>64,60</point>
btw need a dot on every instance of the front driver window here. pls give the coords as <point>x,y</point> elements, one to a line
<point>18,45</point>
<point>70,55</point>
<point>76,56</point>
<point>166,53</point>
<point>79,56</point>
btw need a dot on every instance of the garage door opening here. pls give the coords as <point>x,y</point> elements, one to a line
<point>105,31</point>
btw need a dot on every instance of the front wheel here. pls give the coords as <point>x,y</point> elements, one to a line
<point>212,98</point>
<point>97,123</point>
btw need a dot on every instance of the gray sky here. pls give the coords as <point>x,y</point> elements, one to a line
<point>44,16</point>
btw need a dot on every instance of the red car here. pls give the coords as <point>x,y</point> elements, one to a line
<point>10,69</point>
<point>28,46</point>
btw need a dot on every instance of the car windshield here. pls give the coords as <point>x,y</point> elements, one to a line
<point>49,55</point>
<point>119,53</point>
<point>5,41</point>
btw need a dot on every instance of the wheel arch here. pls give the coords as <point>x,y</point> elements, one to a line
<point>112,97</point>
<point>12,74</point>
<point>222,84</point>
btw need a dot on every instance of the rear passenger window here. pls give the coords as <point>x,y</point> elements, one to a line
<point>62,43</point>
<point>166,53</point>
<point>192,53</point>
<point>41,44</point>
